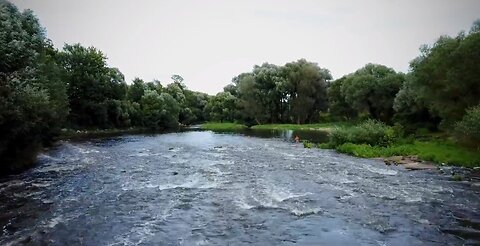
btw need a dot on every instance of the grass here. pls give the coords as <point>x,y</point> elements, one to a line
<point>317,127</point>
<point>435,151</point>
<point>217,126</point>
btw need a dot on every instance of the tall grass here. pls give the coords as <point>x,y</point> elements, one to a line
<point>225,126</point>
<point>374,139</point>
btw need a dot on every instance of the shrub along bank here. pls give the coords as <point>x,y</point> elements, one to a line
<point>375,139</point>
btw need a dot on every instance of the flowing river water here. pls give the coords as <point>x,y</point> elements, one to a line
<point>205,188</point>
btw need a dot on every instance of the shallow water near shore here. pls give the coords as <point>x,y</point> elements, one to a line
<point>205,188</point>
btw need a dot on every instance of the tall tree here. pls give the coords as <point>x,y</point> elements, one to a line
<point>447,75</point>
<point>307,90</point>
<point>338,106</point>
<point>371,91</point>
<point>91,84</point>
<point>222,107</point>
<point>32,95</point>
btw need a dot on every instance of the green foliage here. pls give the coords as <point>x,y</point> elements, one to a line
<point>136,90</point>
<point>308,144</point>
<point>21,38</point>
<point>295,92</point>
<point>91,85</point>
<point>468,128</point>
<point>43,90</point>
<point>438,152</point>
<point>369,132</point>
<point>411,108</point>
<point>371,90</point>
<point>32,95</point>
<point>159,111</point>
<point>319,126</point>
<point>195,107</point>
<point>338,107</point>
<point>222,107</point>
<point>306,90</point>
<point>368,151</point>
<point>446,76</point>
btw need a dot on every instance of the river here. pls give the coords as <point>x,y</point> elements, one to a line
<point>205,188</point>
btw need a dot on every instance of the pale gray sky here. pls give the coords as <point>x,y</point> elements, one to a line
<point>208,42</point>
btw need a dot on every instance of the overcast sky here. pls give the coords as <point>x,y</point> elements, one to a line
<point>208,42</point>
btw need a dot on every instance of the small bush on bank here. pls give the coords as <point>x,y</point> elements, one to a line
<point>468,129</point>
<point>368,151</point>
<point>438,152</point>
<point>307,144</point>
<point>370,132</point>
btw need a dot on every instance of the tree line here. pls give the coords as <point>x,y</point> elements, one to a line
<point>440,92</point>
<point>43,90</point>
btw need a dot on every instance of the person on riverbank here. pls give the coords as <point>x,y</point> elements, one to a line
<point>297,139</point>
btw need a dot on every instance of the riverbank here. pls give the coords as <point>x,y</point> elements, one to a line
<point>217,126</point>
<point>439,152</point>
<point>436,148</point>
<point>73,134</point>
<point>314,127</point>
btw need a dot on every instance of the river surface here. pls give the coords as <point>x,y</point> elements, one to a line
<point>204,188</point>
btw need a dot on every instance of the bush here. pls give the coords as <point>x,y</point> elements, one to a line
<point>367,151</point>
<point>370,132</point>
<point>468,128</point>
<point>307,144</point>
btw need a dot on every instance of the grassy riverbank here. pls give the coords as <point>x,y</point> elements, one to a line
<point>374,139</point>
<point>225,126</point>
<point>316,127</point>
<point>217,126</point>
<point>440,152</point>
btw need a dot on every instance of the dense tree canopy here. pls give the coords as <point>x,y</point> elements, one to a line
<point>306,90</point>
<point>32,95</point>
<point>371,91</point>
<point>222,107</point>
<point>43,90</point>
<point>338,106</point>
<point>92,85</point>
<point>296,92</point>
<point>447,75</point>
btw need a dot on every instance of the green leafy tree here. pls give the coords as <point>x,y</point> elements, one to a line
<point>91,84</point>
<point>410,107</point>
<point>307,90</point>
<point>469,127</point>
<point>222,107</point>
<point>338,106</point>
<point>136,90</point>
<point>447,74</point>
<point>159,111</point>
<point>371,91</point>
<point>195,103</point>
<point>249,94</point>
<point>32,95</point>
